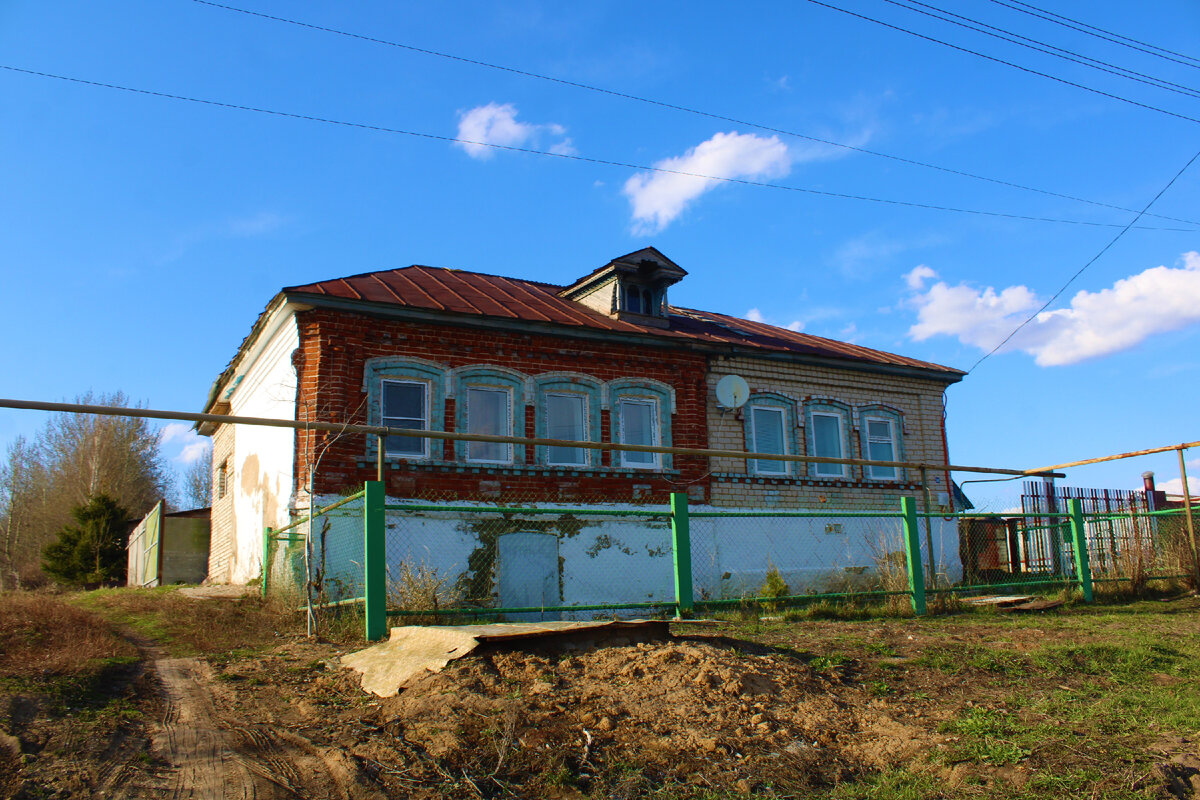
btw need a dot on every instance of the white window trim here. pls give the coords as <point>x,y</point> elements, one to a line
<point>506,426</point>
<point>891,423</point>
<point>586,458</point>
<point>782,468</point>
<point>383,419</point>
<point>839,418</point>
<point>656,434</point>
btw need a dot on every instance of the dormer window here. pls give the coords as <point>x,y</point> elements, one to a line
<point>632,288</point>
<point>638,300</point>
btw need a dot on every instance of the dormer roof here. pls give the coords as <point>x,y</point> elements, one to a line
<point>648,266</point>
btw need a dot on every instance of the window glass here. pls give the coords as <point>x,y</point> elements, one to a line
<point>881,447</point>
<point>487,413</point>
<point>768,432</point>
<point>633,299</point>
<point>566,416</point>
<point>638,426</point>
<point>404,405</point>
<point>827,442</point>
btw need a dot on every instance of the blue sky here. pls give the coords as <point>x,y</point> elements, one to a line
<point>141,235</point>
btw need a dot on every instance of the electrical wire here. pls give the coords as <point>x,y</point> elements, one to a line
<point>996,60</point>
<point>1042,47</point>
<point>568,156</point>
<point>681,108</point>
<point>1100,33</point>
<point>1091,261</point>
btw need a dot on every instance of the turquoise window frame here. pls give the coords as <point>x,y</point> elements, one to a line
<point>490,377</point>
<point>377,370</point>
<point>587,387</point>
<point>843,412</point>
<point>894,416</point>
<point>791,444</point>
<point>641,389</point>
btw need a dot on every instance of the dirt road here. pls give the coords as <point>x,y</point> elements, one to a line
<point>211,756</point>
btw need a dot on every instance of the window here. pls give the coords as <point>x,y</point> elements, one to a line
<point>566,418</point>
<point>489,412</point>
<point>222,479</point>
<point>636,423</point>
<point>490,400</point>
<point>567,406</point>
<point>405,393</point>
<point>638,300</point>
<point>641,410</point>
<point>405,404</point>
<point>827,431</point>
<point>827,443</point>
<point>768,434</point>
<point>881,441</point>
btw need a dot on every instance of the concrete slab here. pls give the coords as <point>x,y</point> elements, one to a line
<point>217,591</point>
<point>999,600</point>
<point>412,650</point>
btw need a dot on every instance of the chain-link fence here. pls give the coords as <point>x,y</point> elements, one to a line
<point>422,561</point>
<point>320,557</point>
<point>1130,546</point>
<point>528,561</point>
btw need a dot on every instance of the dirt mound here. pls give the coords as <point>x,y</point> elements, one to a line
<point>709,709</point>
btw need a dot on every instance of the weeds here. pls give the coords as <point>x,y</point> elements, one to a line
<point>421,588</point>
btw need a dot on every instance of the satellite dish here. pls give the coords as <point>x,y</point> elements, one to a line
<point>732,391</point>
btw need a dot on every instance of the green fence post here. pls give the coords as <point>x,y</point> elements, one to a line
<point>681,544</point>
<point>266,561</point>
<point>374,571</point>
<point>1079,541</point>
<point>912,553</point>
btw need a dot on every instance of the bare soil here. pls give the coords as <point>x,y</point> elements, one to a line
<point>775,710</point>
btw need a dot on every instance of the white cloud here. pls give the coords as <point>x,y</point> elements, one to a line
<point>496,124</point>
<point>754,315</point>
<point>1095,324</point>
<point>1175,486</point>
<point>657,198</point>
<point>917,276</point>
<point>795,326</point>
<point>191,444</point>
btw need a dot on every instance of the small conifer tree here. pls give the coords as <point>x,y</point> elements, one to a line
<point>92,550</point>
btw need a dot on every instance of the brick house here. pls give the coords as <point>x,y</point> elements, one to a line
<point>605,358</point>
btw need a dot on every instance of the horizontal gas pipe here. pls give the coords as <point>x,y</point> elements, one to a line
<point>1118,457</point>
<point>380,430</point>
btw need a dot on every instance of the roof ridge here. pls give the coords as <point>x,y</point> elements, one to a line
<point>370,273</point>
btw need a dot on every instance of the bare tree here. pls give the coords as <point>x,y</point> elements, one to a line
<point>21,479</point>
<point>74,458</point>
<point>197,481</point>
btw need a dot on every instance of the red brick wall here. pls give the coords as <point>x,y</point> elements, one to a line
<point>334,346</point>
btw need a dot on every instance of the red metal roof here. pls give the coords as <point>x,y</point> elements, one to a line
<point>476,294</point>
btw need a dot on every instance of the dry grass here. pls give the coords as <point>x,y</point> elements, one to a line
<point>42,634</point>
<point>421,588</point>
<point>186,626</point>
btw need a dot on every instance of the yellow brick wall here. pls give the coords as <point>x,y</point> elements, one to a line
<point>918,400</point>
<point>220,551</point>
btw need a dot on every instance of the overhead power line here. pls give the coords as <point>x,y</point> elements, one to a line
<point>1042,47</point>
<point>681,108</point>
<point>566,156</point>
<point>996,60</point>
<point>1100,33</point>
<point>1091,261</point>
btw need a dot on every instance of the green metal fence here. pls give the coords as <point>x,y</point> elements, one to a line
<point>450,562</point>
<point>319,558</point>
